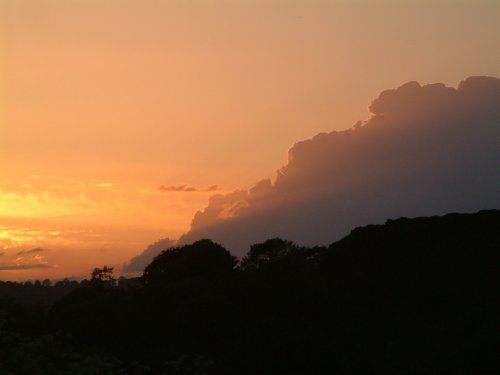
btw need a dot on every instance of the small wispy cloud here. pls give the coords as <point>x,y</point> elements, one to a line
<point>14,267</point>
<point>184,188</point>
<point>187,188</point>
<point>35,250</point>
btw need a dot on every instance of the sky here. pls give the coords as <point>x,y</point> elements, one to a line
<point>119,119</point>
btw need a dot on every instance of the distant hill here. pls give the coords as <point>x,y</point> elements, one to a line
<point>458,252</point>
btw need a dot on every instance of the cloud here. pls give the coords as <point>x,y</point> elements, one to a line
<point>139,262</point>
<point>187,189</point>
<point>16,267</point>
<point>25,260</point>
<point>35,250</point>
<point>184,188</point>
<point>424,150</point>
<point>2,253</point>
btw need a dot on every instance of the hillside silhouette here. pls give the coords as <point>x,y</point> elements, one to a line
<point>412,296</point>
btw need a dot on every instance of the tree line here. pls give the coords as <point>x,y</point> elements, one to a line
<point>412,296</point>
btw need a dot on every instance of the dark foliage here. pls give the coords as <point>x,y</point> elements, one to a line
<point>42,294</point>
<point>204,260</point>
<point>413,296</point>
<point>103,276</point>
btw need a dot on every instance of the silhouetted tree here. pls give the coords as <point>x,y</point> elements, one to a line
<point>203,260</point>
<point>268,252</point>
<point>64,283</point>
<point>102,276</point>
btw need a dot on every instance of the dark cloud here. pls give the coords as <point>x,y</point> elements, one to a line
<point>424,150</point>
<point>35,250</point>
<point>14,267</point>
<point>184,188</point>
<point>2,253</point>
<point>187,189</point>
<point>139,262</point>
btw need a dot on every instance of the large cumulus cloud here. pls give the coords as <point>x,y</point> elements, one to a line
<point>139,262</point>
<point>424,150</point>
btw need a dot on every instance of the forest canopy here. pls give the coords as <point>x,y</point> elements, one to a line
<point>410,296</point>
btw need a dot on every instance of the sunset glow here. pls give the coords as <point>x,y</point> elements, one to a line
<point>101,219</point>
<point>121,119</point>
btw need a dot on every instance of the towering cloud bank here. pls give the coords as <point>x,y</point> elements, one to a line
<point>425,150</point>
<point>139,262</point>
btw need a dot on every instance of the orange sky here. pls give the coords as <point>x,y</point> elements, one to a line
<point>104,101</point>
